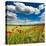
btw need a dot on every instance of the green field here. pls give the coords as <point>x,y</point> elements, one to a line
<point>25,34</point>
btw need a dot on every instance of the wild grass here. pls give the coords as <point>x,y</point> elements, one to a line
<point>25,34</point>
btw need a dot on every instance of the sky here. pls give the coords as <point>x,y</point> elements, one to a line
<point>25,13</point>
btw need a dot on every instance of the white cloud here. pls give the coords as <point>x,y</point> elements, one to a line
<point>16,21</point>
<point>12,19</point>
<point>42,6</point>
<point>42,17</point>
<point>21,7</point>
<point>11,7</point>
<point>37,11</point>
<point>20,4</point>
<point>11,16</point>
<point>22,22</point>
<point>26,9</point>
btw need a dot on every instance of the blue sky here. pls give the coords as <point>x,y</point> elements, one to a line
<point>33,16</point>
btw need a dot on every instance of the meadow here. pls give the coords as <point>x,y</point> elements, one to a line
<point>20,34</point>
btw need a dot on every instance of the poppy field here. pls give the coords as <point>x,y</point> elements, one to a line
<point>20,34</point>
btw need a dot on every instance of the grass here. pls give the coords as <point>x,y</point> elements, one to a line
<point>25,34</point>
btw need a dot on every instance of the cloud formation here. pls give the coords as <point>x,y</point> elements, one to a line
<point>11,16</point>
<point>42,6</point>
<point>12,19</point>
<point>42,17</point>
<point>26,9</point>
<point>21,7</point>
<point>10,7</point>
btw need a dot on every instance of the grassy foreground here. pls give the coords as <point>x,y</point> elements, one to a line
<point>25,34</point>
